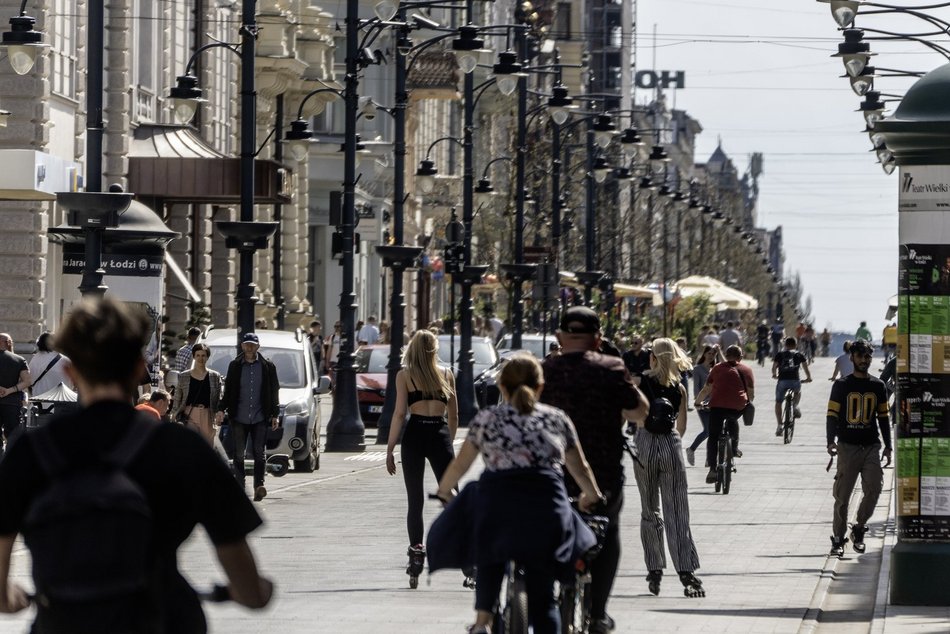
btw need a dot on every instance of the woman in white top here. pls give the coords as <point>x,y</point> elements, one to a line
<point>47,367</point>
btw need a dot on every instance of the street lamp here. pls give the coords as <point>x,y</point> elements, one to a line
<point>854,52</point>
<point>508,72</point>
<point>22,42</point>
<point>843,11</point>
<point>560,104</point>
<point>601,168</point>
<point>185,99</point>
<point>604,130</point>
<point>425,176</point>
<point>468,48</point>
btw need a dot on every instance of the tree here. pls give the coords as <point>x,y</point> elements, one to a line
<point>691,314</point>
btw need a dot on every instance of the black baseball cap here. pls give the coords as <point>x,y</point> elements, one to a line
<point>580,320</point>
<point>250,338</point>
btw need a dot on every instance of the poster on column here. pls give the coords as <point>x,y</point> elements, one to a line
<point>923,392</point>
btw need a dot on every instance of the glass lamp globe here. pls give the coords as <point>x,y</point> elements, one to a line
<point>467,60</point>
<point>602,139</point>
<point>600,174</point>
<point>560,115</point>
<point>299,150</point>
<point>507,84</point>
<point>386,10</point>
<point>22,58</point>
<point>426,183</point>
<point>183,110</point>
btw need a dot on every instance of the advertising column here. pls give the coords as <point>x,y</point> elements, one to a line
<point>923,375</point>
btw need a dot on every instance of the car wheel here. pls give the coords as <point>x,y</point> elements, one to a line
<point>312,462</point>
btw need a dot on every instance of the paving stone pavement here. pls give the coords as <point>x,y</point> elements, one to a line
<point>335,543</point>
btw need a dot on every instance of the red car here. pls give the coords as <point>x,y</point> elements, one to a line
<point>371,362</point>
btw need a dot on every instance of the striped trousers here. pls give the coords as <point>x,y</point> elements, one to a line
<point>660,473</point>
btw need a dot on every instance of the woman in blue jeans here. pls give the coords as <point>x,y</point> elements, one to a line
<point>521,509</point>
<point>710,356</point>
<point>427,392</point>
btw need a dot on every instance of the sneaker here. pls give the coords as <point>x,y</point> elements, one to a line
<point>478,629</point>
<point>798,413</point>
<point>778,431</point>
<point>711,477</point>
<point>603,625</point>
<point>691,457</point>
<point>837,546</point>
<point>259,493</point>
<point>654,577</point>
<point>692,586</point>
<point>857,537</point>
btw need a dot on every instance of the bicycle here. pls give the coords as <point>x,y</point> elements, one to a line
<point>788,416</point>
<point>574,598</point>
<point>725,467</point>
<point>512,616</point>
<point>762,351</point>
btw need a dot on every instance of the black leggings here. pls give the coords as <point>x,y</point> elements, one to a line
<point>717,418</point>
<point>425,438</point>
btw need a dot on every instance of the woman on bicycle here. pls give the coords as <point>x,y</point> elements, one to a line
<point>519,509</point>
<point>659,470</point>
<point>710,356</point>
<point>428,393</point>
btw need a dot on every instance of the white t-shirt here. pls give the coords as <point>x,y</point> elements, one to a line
<point>51,379</point>
<point>843,365</point>
<point>711,339</point>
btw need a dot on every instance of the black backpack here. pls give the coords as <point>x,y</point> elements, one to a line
<point>662,416</point>
<point>90,532</point>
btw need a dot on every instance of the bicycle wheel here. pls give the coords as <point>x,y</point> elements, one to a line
<point>788,420</point>
<point>515,619</point>
<point>724,446</point>
<point>727,468</point>
<point>573,614</point>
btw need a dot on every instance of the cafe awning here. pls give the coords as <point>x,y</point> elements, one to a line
<point>725,297</point>
<point>173,163</point>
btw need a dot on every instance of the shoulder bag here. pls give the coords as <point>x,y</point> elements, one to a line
<point>748,412</point>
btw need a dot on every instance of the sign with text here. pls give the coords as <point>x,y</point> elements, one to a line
<point>924,188</point>
<point>131,265</point>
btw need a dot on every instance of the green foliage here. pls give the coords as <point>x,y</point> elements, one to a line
<point>200,315</point>
<point>691,314</point>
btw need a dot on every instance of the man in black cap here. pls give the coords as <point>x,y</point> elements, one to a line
<point>598,393</point>
<point>251,401</point>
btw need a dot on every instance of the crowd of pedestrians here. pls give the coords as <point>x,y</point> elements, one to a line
<point>554,446</point>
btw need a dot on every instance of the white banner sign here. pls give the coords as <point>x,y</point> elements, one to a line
<point>924,188</point>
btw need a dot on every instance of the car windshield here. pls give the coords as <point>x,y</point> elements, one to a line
<point>482,351</point>
<point>372,360</point>
<point>290,368</point>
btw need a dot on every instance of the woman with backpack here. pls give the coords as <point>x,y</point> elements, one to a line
<point>660,470</point>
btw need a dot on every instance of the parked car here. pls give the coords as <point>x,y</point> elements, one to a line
<point>371,377</point>
<point>536,344</point>
<point>298,435</point>
<point>485,366</point>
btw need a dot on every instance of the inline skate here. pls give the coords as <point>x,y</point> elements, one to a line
<point>417,561</point>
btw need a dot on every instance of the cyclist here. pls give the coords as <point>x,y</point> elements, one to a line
<point>521,509</point>
<point>786,368</point>
<point>855,401</point>
<point>730,387</point>
<point>863,333</point>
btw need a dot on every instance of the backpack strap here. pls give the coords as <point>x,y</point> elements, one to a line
<point>140,429</point>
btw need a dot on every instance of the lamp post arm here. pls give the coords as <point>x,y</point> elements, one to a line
<point>481,90</point>
<point>234,48</point>
<point>492,162</point>
<point>303,102</point>
<point>23,7</point>
<point>418,48</point>
<point>893,7</point>
<point>445,138</point>
<point>891,35</point>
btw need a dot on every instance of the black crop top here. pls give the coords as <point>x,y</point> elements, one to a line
<point>415,396</point>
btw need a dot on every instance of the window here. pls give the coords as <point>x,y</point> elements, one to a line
<point>145,60</point>
<point>562,21</point>
<point>63,38</point>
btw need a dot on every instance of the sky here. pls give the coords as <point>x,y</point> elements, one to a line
<point>759,78</point>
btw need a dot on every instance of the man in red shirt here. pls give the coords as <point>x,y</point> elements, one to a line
<point>730,388</point>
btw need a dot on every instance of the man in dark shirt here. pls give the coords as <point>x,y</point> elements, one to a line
<point>251,399</point>
<point>637,359</point>
<point>183,482</point>
<point>598,394</point>
<point>14,379</point>
<point>856,400</point>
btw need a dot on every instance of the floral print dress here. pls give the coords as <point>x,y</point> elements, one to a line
<point>507,439</point>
